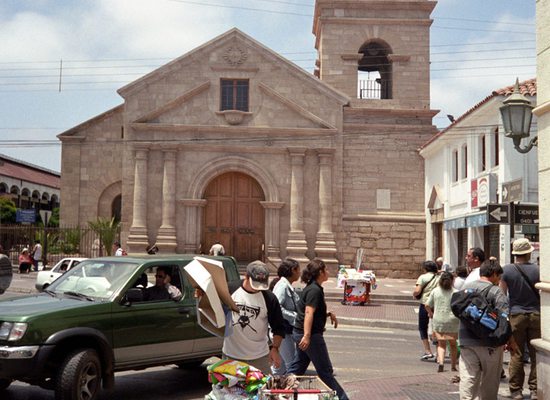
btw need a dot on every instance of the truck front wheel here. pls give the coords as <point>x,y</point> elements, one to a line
<point>79,376</point>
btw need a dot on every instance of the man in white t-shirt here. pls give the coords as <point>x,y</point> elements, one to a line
<point>474,259</point>
<point>258,310</point>
<point>36,254</point>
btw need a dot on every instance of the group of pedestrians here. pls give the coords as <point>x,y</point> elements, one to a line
<point>511,291</point>
<point>28,260</point>
<point>297,321</point>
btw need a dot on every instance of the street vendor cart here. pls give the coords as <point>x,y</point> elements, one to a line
<point>357,286</point>
<point>306,388</point>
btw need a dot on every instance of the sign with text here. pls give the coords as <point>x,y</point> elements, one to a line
<point>512,191</point>
<point>25,216</point>
<point>526,214</point>
<point>498,214</point>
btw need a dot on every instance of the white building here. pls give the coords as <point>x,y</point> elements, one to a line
<point>469,165</point>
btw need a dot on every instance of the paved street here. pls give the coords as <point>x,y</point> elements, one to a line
<point>375,353</point>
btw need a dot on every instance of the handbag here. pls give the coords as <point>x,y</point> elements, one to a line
<point>419,295</point>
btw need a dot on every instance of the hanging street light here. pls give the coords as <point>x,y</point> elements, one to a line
<point>516,117</point>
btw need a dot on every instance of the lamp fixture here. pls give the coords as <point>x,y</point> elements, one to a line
<point>516,116</point>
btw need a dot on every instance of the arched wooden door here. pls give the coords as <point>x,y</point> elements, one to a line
<point>234,216</point>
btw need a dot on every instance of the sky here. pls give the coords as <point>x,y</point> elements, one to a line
<point>61,61</point>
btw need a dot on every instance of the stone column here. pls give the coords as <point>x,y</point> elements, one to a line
<point>166,238</point>
<point>296,244</point>
<point>137,238</point>
<point>325,245</point>
<point>192,226</point>
<point>272,231</point>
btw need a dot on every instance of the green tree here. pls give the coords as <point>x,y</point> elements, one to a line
<point>107,230</point>
<point>7,211</point>
<point>53,221</point>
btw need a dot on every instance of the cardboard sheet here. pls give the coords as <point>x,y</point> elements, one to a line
<point>209,276</point>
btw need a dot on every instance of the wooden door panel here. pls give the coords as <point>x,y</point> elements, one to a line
<point>234,216</point>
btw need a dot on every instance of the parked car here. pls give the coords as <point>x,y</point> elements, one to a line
<point>46,277</point>
<point>93,321</point>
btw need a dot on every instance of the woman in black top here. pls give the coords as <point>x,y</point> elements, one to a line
<point>309,327</point>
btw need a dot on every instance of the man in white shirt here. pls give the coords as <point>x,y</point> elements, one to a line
<point>217,249</point>
<point>258,310</point>
<point>474,259</point>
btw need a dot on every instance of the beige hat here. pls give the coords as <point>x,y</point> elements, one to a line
<point>522,246</point>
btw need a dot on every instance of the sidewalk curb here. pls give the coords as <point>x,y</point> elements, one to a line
<point>378,323</point>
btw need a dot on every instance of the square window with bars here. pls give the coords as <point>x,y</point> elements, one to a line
<point>234,94</point>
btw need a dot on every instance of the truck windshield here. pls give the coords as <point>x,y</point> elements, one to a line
<point>97,279</point>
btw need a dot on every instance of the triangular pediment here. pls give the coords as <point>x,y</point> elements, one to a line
<point>436,199</point>
<point>209,54</point>
<point>187,91</point>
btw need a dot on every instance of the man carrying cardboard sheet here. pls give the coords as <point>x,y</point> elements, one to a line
<point>258,310</point>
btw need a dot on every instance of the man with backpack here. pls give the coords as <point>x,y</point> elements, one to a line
<point>481,357</point>
<point>518,281</point>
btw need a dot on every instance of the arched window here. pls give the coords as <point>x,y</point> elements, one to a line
<point>14,190</point>
<point>54,201</point>
<point>116,208</point>
<point>3,188</point>
<point>375,71</point>
<point>26,193</point>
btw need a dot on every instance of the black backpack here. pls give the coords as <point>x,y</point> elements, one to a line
<point>477,312</point>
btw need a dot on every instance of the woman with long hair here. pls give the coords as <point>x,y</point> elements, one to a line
<point>424,286</point>
<point>288,273</point>
<point>309,327</point>
<point>445,324</point>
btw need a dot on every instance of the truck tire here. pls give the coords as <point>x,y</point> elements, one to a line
<point>4,384</point>
<point>79,377</point>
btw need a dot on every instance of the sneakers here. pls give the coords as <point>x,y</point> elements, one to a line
<point>440,368</point>
<point>427,356</point>
<point>516,395</point>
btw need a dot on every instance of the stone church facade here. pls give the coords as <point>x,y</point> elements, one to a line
<point>232,142</point>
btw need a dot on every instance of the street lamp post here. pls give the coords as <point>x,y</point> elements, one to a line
<point>516,117</point>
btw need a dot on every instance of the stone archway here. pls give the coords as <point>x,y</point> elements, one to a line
<point>234,215</point>
<point>108,196</point>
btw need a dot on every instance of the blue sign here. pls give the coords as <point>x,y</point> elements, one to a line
<point>457,223</point>
<point>473,221</point>
<point>25,216</point>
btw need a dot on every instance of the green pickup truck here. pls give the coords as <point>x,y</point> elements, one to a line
<point>95,320</point>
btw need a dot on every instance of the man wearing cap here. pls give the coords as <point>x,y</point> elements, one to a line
<point>258,310</point>
<point>518,281</point>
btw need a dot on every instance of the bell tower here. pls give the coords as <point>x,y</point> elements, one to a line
<point>377,52</point>
<point>375,49</point>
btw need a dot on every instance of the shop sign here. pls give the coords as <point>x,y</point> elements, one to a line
<point>474,221</point>
<point>457,223</point>
<point>482,191</point>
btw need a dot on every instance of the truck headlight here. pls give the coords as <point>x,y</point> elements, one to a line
<point>12,331</point>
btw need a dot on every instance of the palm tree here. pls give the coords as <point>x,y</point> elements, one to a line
<point>107,230</point>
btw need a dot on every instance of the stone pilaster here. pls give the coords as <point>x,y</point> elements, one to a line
<point>296,244</point>
<point>272,240</point>
<point>192,223</point>
<point>137,238</point>
<point>166,238</point>
<point>325,245</point>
